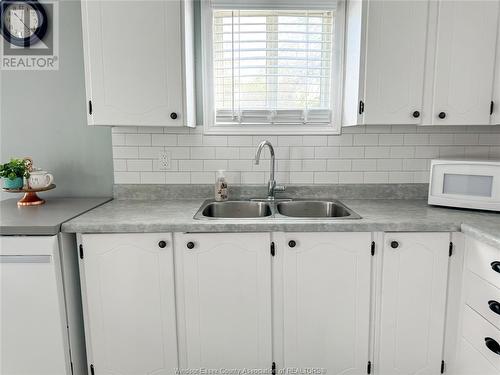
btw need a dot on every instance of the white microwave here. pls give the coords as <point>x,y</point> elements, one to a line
<point>465,183</point>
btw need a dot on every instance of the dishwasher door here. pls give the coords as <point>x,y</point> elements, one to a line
<point>33,334</point>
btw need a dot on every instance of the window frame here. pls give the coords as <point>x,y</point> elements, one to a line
<point>337,74</point>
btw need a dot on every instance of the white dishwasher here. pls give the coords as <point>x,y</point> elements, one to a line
<point>34,336</point>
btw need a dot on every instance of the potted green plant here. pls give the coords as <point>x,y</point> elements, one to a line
<point>13,173</point>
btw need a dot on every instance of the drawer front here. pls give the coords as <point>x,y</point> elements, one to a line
<point>482,335</point>
<point>483,297</point>
<point>471,362</point>
<point>484,261</point>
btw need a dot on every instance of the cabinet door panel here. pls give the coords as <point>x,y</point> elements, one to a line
<point>225,281</point>
<point>327,301</point>
<point>133,61</point>
<point>465,58</point>
<point>395,59</point>
<point>129,293</point>
<point>413,300</point>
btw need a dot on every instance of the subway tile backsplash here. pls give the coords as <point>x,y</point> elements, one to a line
<point>365,154</point>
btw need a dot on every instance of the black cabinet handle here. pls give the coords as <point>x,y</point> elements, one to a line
<point>190,245</point>
<point>442,115</point>
<point>495,266</point>
<point>292,243</point>
<point>173,115</point>
<point>492,345</point>
<point>494,306</point>
<point>162,244</point>
<point>394,244</point>
<point>416,114</point>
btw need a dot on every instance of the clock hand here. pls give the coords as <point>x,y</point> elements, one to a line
<point>27,28</point>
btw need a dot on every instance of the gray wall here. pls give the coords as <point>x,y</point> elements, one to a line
<point>42,115</point>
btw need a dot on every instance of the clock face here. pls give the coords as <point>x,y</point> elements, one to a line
<point>21,20</point>
<point>24,22</point>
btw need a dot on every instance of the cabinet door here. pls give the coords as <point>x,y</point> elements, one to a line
<point>128,291</point>
<point>133,60</point>
<point>327,301</point>
<point>395,59</point>
<point>224,296</point>
<point>33,335</point>
<point>464,65</point>
<point>413,300</point>
<point>495,119</point>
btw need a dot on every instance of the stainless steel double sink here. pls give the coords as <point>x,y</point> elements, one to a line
<point>279,208</point>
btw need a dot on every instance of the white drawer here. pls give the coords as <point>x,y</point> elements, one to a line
<point>470,361</point>
<point>483,297</point>
<point>483,336</point>
<point>483,259</point>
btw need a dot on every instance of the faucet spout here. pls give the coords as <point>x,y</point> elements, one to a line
<point>271,186</point>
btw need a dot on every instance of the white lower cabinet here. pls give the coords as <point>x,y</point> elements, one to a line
<point>345,303</point>
<point>128,291</point>
<point>413,303</point>
<point>224,300</point>
<point>326,301</point>
<point>478,347</point>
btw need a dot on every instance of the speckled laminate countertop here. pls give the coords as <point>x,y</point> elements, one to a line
<point>121,216</point>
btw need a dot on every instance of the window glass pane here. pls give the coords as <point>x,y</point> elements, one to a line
<point>273,60</point>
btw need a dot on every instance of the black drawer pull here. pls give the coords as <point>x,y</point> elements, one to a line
<point>190,245</point>
<point>494,306</point>
<point>492,345</point>
<point>394,244</point>
<point>495,266</point>
<point>416,114</point>
<point>162,244</point>
<point>292,243</point>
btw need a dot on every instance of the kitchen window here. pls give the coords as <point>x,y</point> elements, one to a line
<point>272,67</point>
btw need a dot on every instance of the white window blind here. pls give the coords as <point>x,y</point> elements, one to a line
<point>273,66</point>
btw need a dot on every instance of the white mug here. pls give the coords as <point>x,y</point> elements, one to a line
<point>40,179</point>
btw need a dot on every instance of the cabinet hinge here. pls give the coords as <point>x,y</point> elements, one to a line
<point>361,107</point>
<point>92,370</point>
<point>273,249</point>
<point>90,107</point>
<point>273,368</point>
<point>369,368</point>
<point>492,107</point>
<point>450,249</point>
<point>373,248</point>
<point>81,251</point>
<point>442,367</point>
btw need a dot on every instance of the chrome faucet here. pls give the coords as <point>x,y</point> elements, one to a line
<point>271,186</point>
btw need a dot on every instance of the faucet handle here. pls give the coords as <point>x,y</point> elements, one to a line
<point>279,188</point>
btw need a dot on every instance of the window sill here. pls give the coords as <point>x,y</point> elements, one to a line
<point>281,129</point>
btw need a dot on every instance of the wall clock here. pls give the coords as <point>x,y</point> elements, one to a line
<point>24,22</point>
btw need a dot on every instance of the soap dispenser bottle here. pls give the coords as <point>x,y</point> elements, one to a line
<point>221,187</point>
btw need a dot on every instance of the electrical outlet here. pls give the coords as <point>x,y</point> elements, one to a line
<point>164,161</point>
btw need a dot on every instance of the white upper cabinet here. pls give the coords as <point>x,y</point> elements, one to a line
<point>385,52</point>
<point>129,303</point>
<point>223,289</point>
<point>465,53</point>
<point>326,301</point>
<point>495,118</point>
<point>413,303</point>
<point>420,62</point>
<point>139,62</point>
